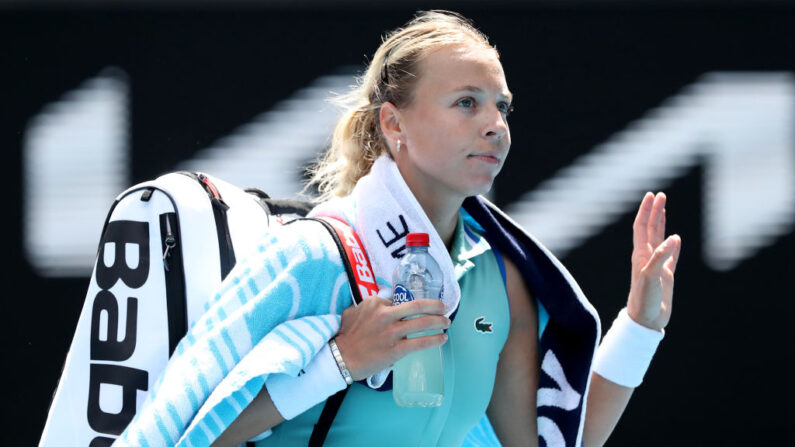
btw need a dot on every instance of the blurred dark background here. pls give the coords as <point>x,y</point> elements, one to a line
<point>582,71</point>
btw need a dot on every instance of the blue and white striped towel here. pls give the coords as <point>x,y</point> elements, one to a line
<point>273,313</point>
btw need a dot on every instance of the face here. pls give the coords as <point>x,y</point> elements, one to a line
<point>455,130</point>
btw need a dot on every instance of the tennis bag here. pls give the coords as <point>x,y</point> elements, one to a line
<point>166,246</point>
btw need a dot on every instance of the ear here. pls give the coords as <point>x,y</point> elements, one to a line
<point>389,119</point>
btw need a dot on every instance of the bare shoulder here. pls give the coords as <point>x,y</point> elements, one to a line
<point>523,308</point>
<point>512,409</point>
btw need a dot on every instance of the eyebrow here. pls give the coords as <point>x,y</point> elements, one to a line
<point>472,88</point>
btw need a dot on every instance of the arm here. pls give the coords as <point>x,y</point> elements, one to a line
<point>290,396</point>
<point>649,304</point>
<point>606,404</point>
<point>372,337</point>
<point>512,410</point>
<point>260,416</point>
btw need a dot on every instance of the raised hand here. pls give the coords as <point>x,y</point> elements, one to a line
<point>654,259</point>
<point>373,334</point>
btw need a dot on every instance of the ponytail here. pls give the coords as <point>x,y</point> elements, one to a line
<point>357,140</point>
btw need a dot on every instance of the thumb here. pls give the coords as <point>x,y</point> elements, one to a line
<point>661,254</point>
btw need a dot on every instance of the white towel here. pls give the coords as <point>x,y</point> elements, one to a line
<point>383,210</point>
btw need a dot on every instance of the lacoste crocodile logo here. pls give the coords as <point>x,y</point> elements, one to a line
<point>483,326</point>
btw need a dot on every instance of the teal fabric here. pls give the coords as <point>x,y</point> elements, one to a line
<point>543,315</point>
<point>483,435</point>
<point>369,417</point>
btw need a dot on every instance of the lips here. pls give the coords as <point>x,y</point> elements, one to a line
<point>493,159</point>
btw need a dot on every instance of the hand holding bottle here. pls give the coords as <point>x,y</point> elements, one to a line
<point>373,335</point>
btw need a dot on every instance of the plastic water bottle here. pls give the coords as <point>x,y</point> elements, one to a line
<point>418,378</point>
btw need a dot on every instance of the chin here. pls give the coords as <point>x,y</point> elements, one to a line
<point>477,189</point>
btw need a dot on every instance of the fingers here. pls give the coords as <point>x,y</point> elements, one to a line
<point>409,345</point>
<point>419,306</point>
<point>670,264</point>
<point>661,254</point>
<point>422,324</point>
<point>656,226</point>
<point>370,304</point>
<point>649,225</point>
<point>373,334</point>
<point>640,227</point>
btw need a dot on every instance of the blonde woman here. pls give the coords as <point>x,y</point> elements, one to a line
<point>425,133</point>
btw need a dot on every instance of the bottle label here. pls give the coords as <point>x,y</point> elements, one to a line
<point>401,295</point>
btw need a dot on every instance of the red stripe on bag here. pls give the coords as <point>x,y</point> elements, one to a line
<point>360,263</point>
<point>210,185</point>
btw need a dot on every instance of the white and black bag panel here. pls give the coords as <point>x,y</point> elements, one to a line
<point>118,349</point>
<point>108,371</point>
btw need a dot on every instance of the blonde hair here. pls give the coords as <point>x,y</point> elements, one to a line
<point>357,140</point>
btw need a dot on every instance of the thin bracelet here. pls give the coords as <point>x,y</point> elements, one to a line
<point>335,351</point>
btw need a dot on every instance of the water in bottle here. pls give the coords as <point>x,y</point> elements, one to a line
<point>418,378</point>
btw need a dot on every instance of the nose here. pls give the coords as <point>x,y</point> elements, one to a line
<point>496,128</point>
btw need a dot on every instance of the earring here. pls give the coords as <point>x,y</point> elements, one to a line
<point>398,146</point>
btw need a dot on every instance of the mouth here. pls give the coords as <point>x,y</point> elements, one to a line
<point>491,159</point>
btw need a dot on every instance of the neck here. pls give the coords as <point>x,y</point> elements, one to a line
<point>444,220</point>
<point>442,211</point>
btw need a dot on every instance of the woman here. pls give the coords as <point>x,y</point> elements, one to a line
<point>425,133</point>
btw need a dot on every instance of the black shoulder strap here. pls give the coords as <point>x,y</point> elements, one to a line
<point>323,424</point>
<point>334,402</point>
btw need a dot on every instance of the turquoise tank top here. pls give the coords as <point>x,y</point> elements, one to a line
<point>476,338</point>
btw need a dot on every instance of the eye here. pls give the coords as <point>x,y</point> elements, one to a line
<point>466,102</point>
<point>505,108</point>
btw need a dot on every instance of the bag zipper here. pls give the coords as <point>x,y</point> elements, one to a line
<point>169,242</point>
<point>174,272</point>
<point>225,248</point>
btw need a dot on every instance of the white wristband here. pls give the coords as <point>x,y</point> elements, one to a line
<point>626,351</point>
<point>294,395</point>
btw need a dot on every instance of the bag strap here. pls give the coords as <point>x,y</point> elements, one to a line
<point>355,259</point>
<point>357,264</point>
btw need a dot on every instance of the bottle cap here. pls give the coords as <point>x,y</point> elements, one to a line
<point>417,240</point>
